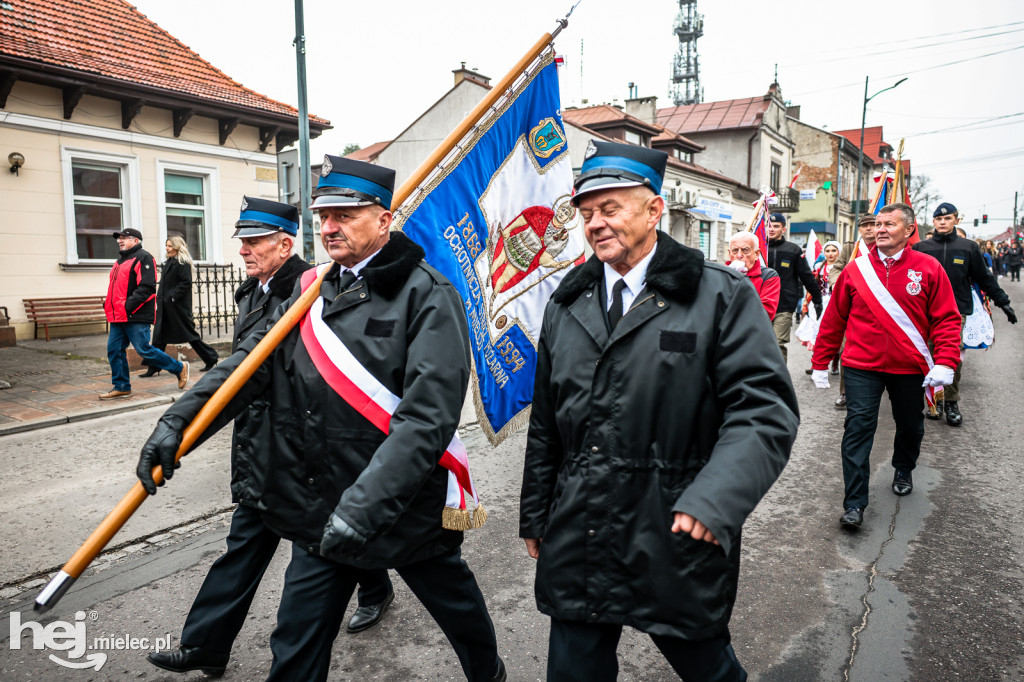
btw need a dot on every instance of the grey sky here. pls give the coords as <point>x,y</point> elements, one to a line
<point>374,67</point>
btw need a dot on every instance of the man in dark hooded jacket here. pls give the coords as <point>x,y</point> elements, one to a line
<point>662,413</point>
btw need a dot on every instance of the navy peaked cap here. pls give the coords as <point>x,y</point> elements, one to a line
<point>260,217</point>
<point>777,218</point>
<point>945,208</point>
<point>608,165</point>
<point>347,182</point>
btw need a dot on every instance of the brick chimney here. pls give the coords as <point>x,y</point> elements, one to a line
<point>462,73</point>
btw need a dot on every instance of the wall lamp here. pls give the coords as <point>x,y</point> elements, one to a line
<point>16,160</point>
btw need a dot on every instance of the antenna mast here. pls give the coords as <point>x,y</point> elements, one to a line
<point>686,67</point>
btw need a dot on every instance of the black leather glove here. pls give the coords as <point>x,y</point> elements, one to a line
<point>340,538</point>
<point>1010,315</point>
<point>817,310</point>
<point>160,449</point>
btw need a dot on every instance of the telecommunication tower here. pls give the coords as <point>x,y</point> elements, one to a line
<point>686,67</point>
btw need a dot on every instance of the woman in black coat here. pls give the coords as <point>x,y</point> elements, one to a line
<point>174,306</point>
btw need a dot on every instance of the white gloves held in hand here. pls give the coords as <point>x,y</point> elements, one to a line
<point>739,266</point>
<point>939,375</point>
<point>820,378</point>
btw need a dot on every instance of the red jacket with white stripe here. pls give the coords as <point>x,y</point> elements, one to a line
<point>131,293</point>
<point>868,346</point>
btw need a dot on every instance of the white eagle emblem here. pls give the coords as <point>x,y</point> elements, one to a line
<point>326,169</point>
<point>914,286</point>
<point>245,204</point>
<point>591,150</point>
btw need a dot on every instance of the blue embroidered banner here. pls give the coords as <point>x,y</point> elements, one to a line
<point>498,222</point>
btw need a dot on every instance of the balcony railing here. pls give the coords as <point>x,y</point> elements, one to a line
<point>789,200</point>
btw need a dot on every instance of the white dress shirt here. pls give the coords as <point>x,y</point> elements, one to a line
<point>635,281</point>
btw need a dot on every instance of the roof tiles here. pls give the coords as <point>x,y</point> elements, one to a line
<point>112,38</point>
<point>709,116</point>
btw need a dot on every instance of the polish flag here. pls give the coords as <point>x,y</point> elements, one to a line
<point>813,250</point>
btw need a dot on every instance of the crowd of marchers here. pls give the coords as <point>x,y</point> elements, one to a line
<point>663,411</point>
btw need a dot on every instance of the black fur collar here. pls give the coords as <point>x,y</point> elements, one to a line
<point>283,281</point>
<point>674,272</point>
<point>387,272</point>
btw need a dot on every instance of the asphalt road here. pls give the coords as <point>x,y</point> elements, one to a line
<point>930,589</point>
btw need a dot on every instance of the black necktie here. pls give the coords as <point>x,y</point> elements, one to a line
<point>259,297</point>
<point>615,312</point>
<point>346,280</point>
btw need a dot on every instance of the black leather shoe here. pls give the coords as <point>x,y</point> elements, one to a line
<point>501,675</point>
<point>852,518</point>
<point>953,416</point>
<point>190,658</point>
<point>902,482</point>
<point>366,617</point>
<point>934,417</point>
<point>208,366</point>
<point>150,372</point>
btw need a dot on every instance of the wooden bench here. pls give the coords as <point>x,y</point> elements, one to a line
<point>64,310</point>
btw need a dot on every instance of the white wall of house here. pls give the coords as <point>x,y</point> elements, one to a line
<point>42,254</point>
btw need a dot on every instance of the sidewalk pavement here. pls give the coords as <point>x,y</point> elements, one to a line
<point>59,381</point>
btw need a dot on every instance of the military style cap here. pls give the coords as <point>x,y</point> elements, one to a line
<point>129,232</point>
<point>777,218</point>
<point>347,182</point>
<point>608,165</point>
<point>260,217</point>
<point>945,208</point>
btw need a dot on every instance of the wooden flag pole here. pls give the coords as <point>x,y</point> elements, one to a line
<point>114,521</point>
<point>757,212</point>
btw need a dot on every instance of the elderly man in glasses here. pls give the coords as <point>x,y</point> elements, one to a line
<point>745,256</point>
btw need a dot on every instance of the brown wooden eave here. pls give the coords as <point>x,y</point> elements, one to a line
<point>75,84</point>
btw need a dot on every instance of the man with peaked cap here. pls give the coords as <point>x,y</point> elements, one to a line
<point>662,413</point>
<point>350,495</point>
<point>965,266</point>
<point>267,231</point>
<point>795,274</point>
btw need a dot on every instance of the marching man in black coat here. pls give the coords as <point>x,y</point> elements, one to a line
<point>349,494</point>
<point>662,414</point>
<point>266,231</point>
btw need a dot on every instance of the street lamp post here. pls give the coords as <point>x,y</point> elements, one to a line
<point>860,149</point>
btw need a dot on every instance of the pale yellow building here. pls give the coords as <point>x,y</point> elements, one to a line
<point>119,125</point>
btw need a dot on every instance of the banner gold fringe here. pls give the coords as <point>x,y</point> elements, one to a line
<point>479,516</point>
<point>455,519</point>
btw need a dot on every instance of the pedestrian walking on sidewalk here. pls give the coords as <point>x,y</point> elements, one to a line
<point>662,413</point>
<point>131,309</point>
<point>888,302</point>
<point>174,307</point>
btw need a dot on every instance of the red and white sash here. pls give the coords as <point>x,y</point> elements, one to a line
<point>370,398</point>
<point>892,317</point>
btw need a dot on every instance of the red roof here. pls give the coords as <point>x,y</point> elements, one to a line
<point>872,143</point>
<point>605,116</point>
<point>710,116</point>
<point>113,39</point>
<point>370,153</point>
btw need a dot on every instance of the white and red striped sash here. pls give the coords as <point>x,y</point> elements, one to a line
<point>372,399</point>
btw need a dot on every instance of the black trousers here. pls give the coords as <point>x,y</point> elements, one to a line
<point>223,602</point>
<point>1015,273</point>
<point>205,351</point>
<point>863,397</point>
<point>317,591</point>
<point>585,652</point>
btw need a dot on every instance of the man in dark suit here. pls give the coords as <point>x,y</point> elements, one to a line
<point>267,230</point>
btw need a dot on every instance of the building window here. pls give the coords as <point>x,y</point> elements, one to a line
<point>187,210</point>
<point>705,239</point>
<point>100,197</point>
<point>633,138</point>
<point>776,174</point>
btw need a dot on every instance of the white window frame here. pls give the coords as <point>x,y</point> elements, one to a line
<point>211,205</point>
<point>131,199</point>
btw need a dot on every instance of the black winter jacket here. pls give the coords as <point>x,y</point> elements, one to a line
<point>174,305</point>
<point>962,260</point>
<point>249,452</point>
<point>404,322</point>
<point>784,258</point>
<point>686,406</point>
